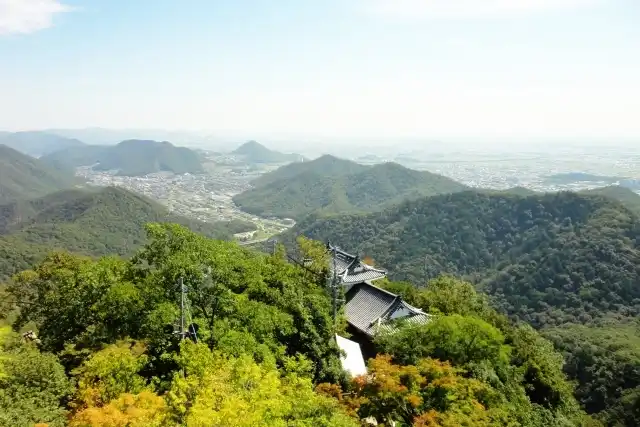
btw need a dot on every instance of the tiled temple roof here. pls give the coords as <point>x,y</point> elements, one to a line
<point>371,309</point>
<point>350,269</point>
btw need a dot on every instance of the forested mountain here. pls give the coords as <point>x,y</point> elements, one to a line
<point>324,166</point>
<point>331,185</point>
<point>604,358</point>
<point>93,222</point>
<point>254,152</point>
<point>567,263</point>
<point>131,158</point>
<point>546,259</point>
<point>627,197</point>
<point>37,143</point>
<point>22,176</point>
<point>264,353</point>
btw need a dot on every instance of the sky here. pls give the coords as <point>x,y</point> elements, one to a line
<point>347,68</point>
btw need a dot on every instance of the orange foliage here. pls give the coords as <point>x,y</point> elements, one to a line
<point>141,410</point>
<point>369,261</point>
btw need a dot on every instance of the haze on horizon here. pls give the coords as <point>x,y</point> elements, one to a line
<point>340,68</point>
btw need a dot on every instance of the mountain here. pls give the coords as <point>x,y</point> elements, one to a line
<point>254,152</point>
<point>22,176</point>
<point>325,166</point>
<point>131,158</point>
<point>330,185</point>
<point>37,143</point>
<point>627,197</point>
<point>572,177</point>
<point>94,222</point>
<point>545,259</point>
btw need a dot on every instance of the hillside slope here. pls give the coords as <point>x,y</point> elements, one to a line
<point>627,197</point>
<point>130,158</point>
<point>330,185</point>
<point>93,222</point>
<point>22,176</point>
<point>546,259</point>
<point>37,143</point>
<point>254,152</point>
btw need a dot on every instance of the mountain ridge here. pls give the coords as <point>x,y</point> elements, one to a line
<point>130,157</point>
<point>333,185</point>
<point>38,143</point>
<point>99,221</point>
<point>254,152</point>
<point>524,251</point>
<point>23,176</point>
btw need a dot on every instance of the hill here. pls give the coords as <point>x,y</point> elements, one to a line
<point>545,259</point>
<point>37,143</point>
<point>627,197</point>
<point>92,222</point>
<point>22,176</point>
<point>325,166</point>
<point>330,185</point>
<point>571,177</point>
<point>254,152</point>
<point>130,158</point>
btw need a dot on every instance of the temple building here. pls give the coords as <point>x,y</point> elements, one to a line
<point>369,309</point>
<point>350,270</point>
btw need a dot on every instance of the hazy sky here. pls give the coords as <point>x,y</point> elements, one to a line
<point>414,68</point>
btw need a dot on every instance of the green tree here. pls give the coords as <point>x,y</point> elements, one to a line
<point>109,373</point>
<point>217,390</point>
<point>455,338</point>
<point>33,385</point>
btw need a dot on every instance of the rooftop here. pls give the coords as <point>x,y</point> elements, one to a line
<point>350,269</point>
<point>371,309</point>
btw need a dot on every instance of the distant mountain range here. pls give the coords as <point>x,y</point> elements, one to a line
<point>93,222</point>
<point>22,176</point>
<point>129,158</point>
<point>331,185</point>
<point>254,152</point>
<point>37,143</point>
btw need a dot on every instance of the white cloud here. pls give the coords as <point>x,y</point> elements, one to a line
<point>28,16</point>
<point>420,9</point>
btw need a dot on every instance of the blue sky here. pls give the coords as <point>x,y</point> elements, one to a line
<point>390,68</point>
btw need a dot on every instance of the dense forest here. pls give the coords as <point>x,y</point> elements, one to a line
<point>327,186</point>
<point>92,222</point>
<point>130,158</point>
<point>555,261</point>
<point>263,353</point>
<point>547,259</point>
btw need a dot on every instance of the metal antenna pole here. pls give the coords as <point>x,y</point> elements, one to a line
<point>334,285</point>
<point>182,334</point>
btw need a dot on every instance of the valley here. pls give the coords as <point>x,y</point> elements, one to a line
<point>205,197</point>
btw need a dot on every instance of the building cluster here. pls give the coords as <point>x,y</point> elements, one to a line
<point>369,309</point>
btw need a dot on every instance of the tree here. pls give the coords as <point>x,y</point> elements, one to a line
<point>128,410</point>
<point>110,373</point>
<point>76,300</point>
<point>217,390</point>
<point>430,393</point>
<point>33,385</point>
<point>455,338</point>
<point>234,291</point>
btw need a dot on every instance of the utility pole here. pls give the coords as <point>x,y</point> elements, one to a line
<point>182,334</point>
<point>334,285</point>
